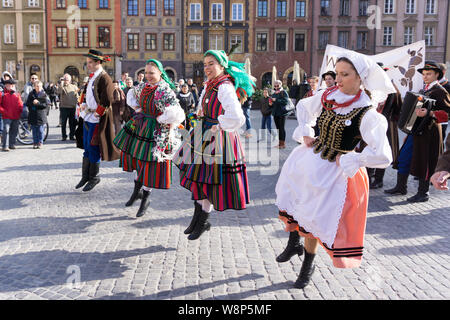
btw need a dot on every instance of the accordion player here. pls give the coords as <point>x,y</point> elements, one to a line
<point>408,121</point>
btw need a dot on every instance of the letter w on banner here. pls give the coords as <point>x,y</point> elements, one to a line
<point>403,64</point>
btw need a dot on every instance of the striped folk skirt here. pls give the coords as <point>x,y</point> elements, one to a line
<point>222,182</point>
<point>135,140</point>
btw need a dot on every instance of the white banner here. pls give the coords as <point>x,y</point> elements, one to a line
<point>403,64</point>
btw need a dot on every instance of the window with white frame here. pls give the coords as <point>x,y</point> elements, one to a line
<point>388,33</point>
<point>300,9</point>
<point>237,12</point>
<point>33,3</point>
<point>363,6</point>
<point>361,40</point>
<point>281,42</point>
<point>389,6</point>
<point>8,31</point>
<point>34,31</point>
<point>429,36</point>
<point>11,67</point>
<point>261,42</point>
<point>408,35</point>
<point>430,7</point>
<point>195,12</point>
<point>281,8</point>
<point>217,12</point>
<point>262,8</point>
<point>195,43</point>
<point>60,4</point>
<point>344,9</point>
<point>324,37</point>
<point>343,37</point>
<point>8,3</point>
<point>299,42</point>
<point>410,6</point>
<point>216,42</point>
<point>236,39</point>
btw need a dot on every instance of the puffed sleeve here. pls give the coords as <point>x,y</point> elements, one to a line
<point>233,118</point>
<point>132,101</point>
<point>308,110</point>
<point>377,154</point>
<point>173,113</point>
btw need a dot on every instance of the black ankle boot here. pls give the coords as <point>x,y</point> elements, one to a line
<point>94,169</point>
<point>201,226</point>
<point>306,272</point>
<point>84,173</point>
<point>137,194</point>
<point>422,193</point>
<point>198,209</point>
<point>401,186</point>
<point>293,247</point>
<point>144,204</point>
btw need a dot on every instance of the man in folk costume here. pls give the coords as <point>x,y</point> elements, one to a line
<point>428,145</point>
<point>148,141</point>
<point>322,192</point>
<point>390,109</point>
<point>98,122</point>
<point>214,169</point>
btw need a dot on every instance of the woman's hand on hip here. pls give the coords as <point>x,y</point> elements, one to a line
<point>308,141</point>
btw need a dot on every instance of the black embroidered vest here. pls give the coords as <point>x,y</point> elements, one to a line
<point>339,134</point>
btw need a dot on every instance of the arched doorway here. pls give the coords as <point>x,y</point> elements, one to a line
<point>266,80</point>
<point>74,73</point>
<point>34,68</point>
<point>171,73</point>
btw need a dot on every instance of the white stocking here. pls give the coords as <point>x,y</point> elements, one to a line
<point>206,205</point>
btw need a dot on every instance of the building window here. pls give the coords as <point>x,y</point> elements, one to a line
<point>261,42</point>
<point>343,39</point>
<point>300,9</point>
<point>33,3</point>
<point>262,8</point>
<point>280,44</point>
<point>429,36</point>
<point>8,33</point>
<point>103,4</point>
<point>410,6</point>
<point>236,39</point>
<point>169,41</point>
<point>299,42</point>
<point>216,42</point>
<point>388,6</point>
<point>82,4</point>
<point>430,7</point>
<point>133,41</point>
<point>217,12</point>
<point>169,7</point>
<point>104,37</point>
<point>324,37</point>
<point>408,35</point>
<point>325,8</point>
<point>8,3</point>
<point>344,9</point>
<point>195,43</point>
<point>361,40</point>
<point>195,13</point>
<point>150,7</point>
<point>83,37</point>
<point>150,41</point>
<point>11,67</point>
<point>61,37</point>
<point>60,4</point>
<point>237,12</point>
<point>363,5</point>
<point>387,36</point>
<point>132,8</point>
<point>35,34</point>
<point>281,8</point>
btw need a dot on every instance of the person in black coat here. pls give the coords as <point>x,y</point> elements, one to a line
<point>38,103</point>
<point>187,102</point>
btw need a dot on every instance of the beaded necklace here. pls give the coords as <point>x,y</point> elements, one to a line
<point>326,102</point>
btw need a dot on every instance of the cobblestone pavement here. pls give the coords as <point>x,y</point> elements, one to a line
<point>60,243</point>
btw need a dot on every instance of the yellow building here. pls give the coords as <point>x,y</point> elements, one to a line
<point>74,27</point>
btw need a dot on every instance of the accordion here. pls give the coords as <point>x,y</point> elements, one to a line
<point>408,121</point>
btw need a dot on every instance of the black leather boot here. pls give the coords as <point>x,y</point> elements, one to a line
<point>84,173</point>
<point>306,272</point>
<point>293,247</point>
<point>137,194</point>
<point>377,183</point>
<point>144,204</point>
<point>401,186</point>
<point>198,209</point>
<point>422,192</point>
<point>201,226</point>
<point>94,179</point>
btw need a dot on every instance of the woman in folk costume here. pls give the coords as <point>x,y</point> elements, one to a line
<point>322,191</point>
<point>214,168</point>
<point>148,140</point>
